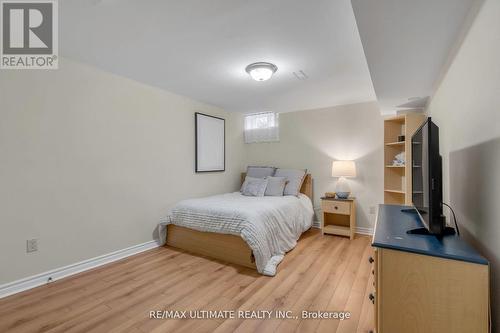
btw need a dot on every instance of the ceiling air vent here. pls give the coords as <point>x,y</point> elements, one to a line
<point>300,75</point>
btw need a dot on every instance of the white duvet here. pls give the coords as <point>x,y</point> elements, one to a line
<point>270,225</point>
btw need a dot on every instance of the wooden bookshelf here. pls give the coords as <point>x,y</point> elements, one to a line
<point>397,179</point>
<point>395,191</point>
<point>400,143</point>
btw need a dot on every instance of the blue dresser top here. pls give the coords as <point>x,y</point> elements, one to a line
<point>390,233</point>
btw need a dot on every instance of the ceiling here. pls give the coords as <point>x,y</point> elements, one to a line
<point>408,45</point>
<point>200,49</point>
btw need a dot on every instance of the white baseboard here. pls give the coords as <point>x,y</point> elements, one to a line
<point>364,231</point>
<point>62,272</point>
<point>359,230</point>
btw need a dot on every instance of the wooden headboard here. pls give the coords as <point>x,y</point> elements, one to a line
<point>306,188</point>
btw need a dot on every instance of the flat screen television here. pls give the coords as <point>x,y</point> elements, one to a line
<point>427,176</point>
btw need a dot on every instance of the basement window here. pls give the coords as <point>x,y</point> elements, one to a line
<point>262,127</point>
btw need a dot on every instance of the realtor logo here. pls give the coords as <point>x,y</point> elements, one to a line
<point>29,34</point>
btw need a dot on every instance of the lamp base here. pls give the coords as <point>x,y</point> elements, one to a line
<point>343,195</point>
<point>342,188</point>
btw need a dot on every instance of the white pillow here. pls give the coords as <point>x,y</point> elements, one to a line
<point>294,177</point>
<point>254,187</point>
<point>260,171</point>
<point>275,186</point>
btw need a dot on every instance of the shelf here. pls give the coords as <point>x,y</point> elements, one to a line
<point>398,143</point>
<point>398,177</point>
<point>395,191</point>
<point>337,230</point>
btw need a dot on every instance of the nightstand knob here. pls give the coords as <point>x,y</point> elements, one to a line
<point>370,260</point>
<point>336,207</point>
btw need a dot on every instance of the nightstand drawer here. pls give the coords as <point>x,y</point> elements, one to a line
<point>337,207</point>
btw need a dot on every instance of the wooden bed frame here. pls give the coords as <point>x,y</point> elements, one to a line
<point>229,248</point>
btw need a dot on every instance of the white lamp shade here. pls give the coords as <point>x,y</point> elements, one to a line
<point>343,169</point>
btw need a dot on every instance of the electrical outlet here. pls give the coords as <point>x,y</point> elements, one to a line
<point>31,245</point>
<point>372,209</point>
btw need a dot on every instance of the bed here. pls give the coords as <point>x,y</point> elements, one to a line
<point>254,232</point>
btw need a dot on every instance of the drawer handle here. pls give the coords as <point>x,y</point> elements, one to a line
<point>336,207</point>
<point>372,298</point>
<point>371,260</point>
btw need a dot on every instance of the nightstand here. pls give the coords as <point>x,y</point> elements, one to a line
<point>339,217</point>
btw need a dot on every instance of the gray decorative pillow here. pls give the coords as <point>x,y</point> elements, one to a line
<point>275,186</point>
<point>254,187</point>
<point>294,177</point>
<point>260,171</point>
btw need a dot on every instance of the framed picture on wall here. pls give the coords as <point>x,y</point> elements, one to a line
<point>210,143</point>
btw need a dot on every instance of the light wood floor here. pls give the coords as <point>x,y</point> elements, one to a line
<point>321,273</point>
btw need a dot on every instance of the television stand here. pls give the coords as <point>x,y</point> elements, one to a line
<point>412,211</point>
<point>442,285</point>
<point>423,231</point>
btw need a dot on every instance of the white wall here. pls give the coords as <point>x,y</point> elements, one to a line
<point>90,161</point>
<point>312,139</point>
<point>466,107</point>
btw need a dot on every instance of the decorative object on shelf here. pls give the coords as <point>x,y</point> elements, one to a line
<point>399,159</point>
<point>329,194</point>
<point>343,169</point>
<point>401,138</point>
<point>261,71</point>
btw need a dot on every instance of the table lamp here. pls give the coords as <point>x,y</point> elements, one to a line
<point>343,169</point>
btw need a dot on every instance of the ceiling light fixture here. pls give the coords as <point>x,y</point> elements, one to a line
<point>261,71</point>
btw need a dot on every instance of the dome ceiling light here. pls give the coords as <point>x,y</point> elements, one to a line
<point>261,71</point>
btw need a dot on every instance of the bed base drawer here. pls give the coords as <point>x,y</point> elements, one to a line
<point>230,248</point>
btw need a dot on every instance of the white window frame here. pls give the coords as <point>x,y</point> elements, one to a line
<point>261,127</point>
